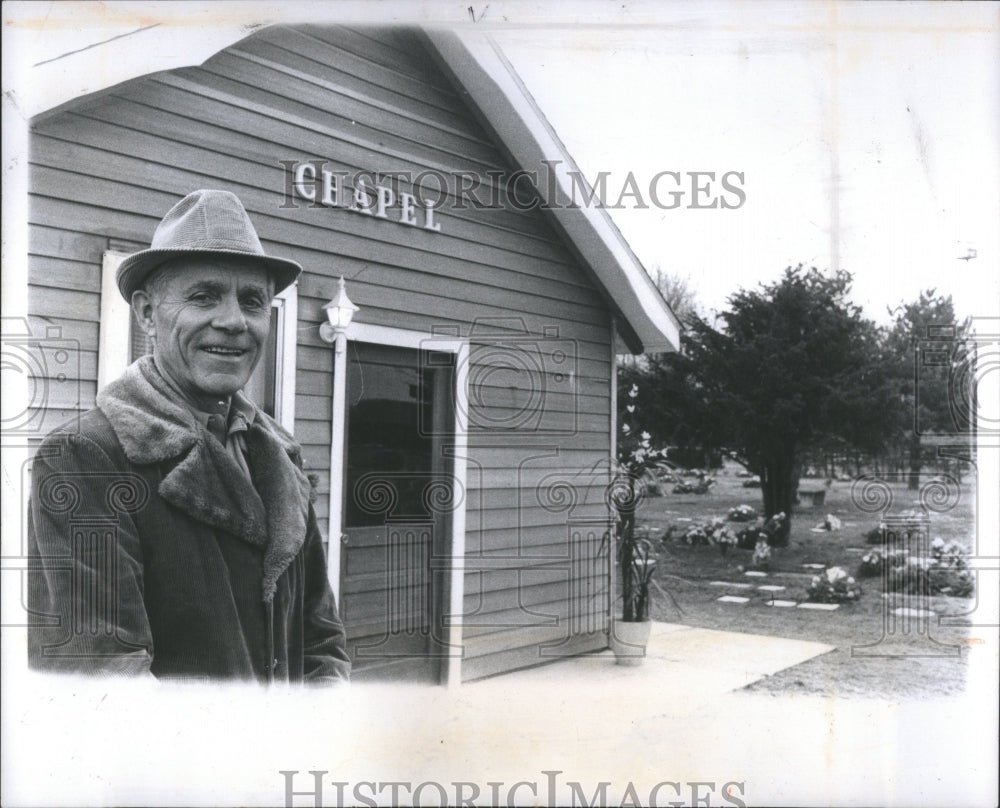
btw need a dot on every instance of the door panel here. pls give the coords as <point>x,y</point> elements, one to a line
<point>397,537</point>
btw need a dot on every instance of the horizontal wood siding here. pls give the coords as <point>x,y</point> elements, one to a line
<point>105,170</point>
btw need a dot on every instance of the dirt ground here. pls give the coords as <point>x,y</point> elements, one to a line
<point>876,653</point>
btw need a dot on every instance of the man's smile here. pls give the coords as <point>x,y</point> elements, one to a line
<point>220,350</point>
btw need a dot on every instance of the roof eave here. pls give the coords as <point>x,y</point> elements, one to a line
<point>494,87</point>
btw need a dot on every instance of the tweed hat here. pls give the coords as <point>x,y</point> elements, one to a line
<point>204,223</point>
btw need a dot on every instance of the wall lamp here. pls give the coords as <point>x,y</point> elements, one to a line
<point>339,313</point>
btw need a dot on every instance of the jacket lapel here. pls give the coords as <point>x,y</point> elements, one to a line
<point>209,486</point>
<point>205,482</point>
<point>285,491</point>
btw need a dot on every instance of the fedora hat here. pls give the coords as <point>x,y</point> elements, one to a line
<point>204,223</point>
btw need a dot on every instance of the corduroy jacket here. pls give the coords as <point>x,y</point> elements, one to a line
<point>150,552</point>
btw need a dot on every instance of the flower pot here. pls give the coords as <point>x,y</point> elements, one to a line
<point>629,640</point>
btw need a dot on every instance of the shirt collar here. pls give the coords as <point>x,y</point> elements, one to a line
<point>238,410</point>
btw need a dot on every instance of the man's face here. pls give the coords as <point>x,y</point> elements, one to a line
<point>209,319</point>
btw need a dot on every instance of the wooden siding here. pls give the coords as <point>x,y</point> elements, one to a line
<point>106,169</point>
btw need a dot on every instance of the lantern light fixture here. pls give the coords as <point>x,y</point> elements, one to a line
<point>339,313</point>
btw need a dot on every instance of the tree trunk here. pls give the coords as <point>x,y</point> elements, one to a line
<point>778,489</point>
<point>916,463</point>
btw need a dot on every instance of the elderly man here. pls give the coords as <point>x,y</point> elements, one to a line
<point>211,563</point>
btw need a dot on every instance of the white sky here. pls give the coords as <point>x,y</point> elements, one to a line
<point>901,104</point>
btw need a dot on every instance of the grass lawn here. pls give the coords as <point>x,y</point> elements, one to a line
<point>883,662</point>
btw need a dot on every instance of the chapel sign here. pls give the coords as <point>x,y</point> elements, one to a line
<point>361,192</point>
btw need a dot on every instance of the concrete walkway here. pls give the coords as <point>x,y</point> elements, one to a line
<point>677,730</point>
<point>689,664</point>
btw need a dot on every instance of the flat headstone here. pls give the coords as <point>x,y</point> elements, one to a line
<point>770,588</point>
<point>820,607</point>
<point>732,599</point>
<point>784,604</point>
<point>906,611</point>
<point>730,583</point>
<point>683,519</point>
<point>856,549</point>
<point>755,574</point>
<point>814,566</point>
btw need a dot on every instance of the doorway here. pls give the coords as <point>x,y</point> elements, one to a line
<point>399,498</point>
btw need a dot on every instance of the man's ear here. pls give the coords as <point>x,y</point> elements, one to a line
<point>142,307</point>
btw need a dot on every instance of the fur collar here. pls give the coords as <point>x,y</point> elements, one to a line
<point>271,512</point>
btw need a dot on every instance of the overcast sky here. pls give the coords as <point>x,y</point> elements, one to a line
<point>867,135</point>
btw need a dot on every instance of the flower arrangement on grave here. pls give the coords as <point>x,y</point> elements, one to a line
<point>949,572</point>
<point>742,513</point>
<point>761,559</point>
<point>834,585</point>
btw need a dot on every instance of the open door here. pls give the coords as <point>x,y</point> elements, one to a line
<point>398,501</point>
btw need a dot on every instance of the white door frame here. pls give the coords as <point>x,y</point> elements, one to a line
<point>416,340</point>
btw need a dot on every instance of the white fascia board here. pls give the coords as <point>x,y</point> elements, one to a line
<point>494,86</point>
<point>98,59</point>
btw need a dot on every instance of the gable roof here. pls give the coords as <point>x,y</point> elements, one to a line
<point>477,65</point>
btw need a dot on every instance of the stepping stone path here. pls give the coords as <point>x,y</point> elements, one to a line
<point>789,604</point>
<point>906,611</point>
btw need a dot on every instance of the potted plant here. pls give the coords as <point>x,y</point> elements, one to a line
<point>635,551</point>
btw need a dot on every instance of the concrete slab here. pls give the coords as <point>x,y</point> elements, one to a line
<point>755,574</point>
<point>732,599</point>
<point>820,607</point>
<point>730,583</point>
<point>770,588</point>
<point>906,611</point>
<point>783,604</point>
<point>678,657</point>
<point>681,717</point>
